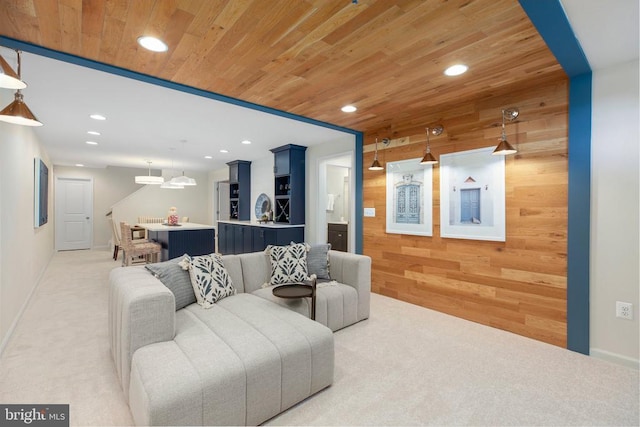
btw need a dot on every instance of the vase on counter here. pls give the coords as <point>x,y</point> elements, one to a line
<point>172,217</point>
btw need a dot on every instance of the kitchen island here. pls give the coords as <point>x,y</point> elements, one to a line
<point>185,238</point>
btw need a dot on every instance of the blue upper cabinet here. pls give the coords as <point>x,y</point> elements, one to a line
<point>289,184</point>
<point>240,190</point>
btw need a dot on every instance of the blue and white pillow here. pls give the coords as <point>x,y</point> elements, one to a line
<point>288,263</point>
<point>209,277</point>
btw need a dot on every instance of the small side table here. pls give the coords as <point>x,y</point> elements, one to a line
<point>299,290</point>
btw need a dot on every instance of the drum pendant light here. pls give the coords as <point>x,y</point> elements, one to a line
<point>149,179</point>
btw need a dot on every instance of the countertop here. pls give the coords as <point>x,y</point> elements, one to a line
<point>183,226</point>
<point>254,223</point>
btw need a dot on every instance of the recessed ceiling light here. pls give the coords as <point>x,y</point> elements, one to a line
<point>98,117</point>
<point>208,157</point>
<point>224,151</point>
<point>153,44</point>
<point>456,70</point>
<point>246,142</point>
<point>348,108</point>
<point>80,165</point>
<point>91,142</point>
<point>93,132</point>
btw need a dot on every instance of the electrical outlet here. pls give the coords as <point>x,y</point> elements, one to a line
<point>369,211</point>
<point>624,310</point>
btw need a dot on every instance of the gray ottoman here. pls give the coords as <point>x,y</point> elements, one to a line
<point>240,362</point>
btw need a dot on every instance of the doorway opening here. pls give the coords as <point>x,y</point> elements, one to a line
<point>336,213</point>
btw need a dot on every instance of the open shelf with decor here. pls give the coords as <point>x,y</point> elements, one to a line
<point>289,183</point>
<point>239,190</point>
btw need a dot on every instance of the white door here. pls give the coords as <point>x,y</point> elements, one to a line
<point>74,213</point>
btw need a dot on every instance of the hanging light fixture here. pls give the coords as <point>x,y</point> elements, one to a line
<point>183,179</point>
<point>171,186</point>
<point>17,112</point>
<point>149,179</point>
<point>376,166</point>
<point>168,184</point>
<point>504,148</point>
<point>9,79</point>
<point>428,158</point>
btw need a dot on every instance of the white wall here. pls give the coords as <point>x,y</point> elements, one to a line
<point>24,250</point>
<point>110,185</point>
<point>615,189</point>
<point>262,181</point>
<point>151,200</point>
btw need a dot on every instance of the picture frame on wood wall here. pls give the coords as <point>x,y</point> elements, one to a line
<point>409,198</point>
<point>472,195</point>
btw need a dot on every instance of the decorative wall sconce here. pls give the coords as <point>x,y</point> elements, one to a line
<point>504,148</point>
<point>428,158</point>
<point>376,166</point>
<point>17,112</point>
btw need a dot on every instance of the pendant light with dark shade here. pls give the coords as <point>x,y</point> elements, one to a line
<point>17,112</point>
<point>504,148</point>
<point>376,166</point>
<point>8,78</point>
<point>428,158</point>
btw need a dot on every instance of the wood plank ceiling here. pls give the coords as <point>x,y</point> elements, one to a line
<point>307,57</point>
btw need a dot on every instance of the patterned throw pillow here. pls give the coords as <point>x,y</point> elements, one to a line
<point>288,263</point>
<point>210,280</point>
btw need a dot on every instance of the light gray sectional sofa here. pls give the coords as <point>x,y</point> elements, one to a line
<point>242,361</point>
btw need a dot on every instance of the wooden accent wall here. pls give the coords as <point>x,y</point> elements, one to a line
<point>518,285</point>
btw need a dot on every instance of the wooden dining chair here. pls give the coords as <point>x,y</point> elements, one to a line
<point>116,239</point>
<point>132,251</point>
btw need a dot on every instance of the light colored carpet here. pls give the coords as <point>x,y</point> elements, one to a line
<point>406,365</point>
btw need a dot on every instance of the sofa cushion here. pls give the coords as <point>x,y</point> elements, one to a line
<point>318,260</point>
<point>171,274</point>
<point>210,280</point>
<point>239,363</point>
<point>288,263</point>
<point>256,270</point>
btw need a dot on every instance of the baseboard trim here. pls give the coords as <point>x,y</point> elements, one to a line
<point>615,358</point>
<point>7,337</point>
